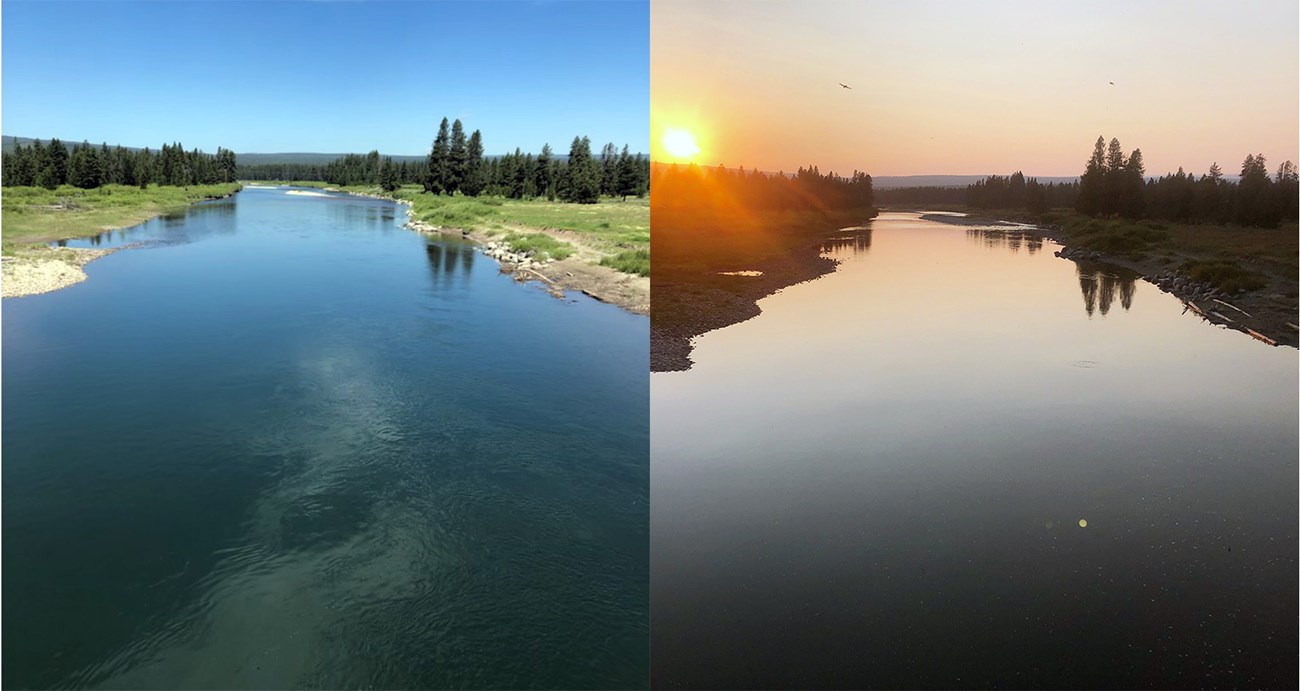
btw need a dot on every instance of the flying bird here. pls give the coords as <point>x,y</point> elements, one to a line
<point>844,85</point>
<point>1112,83</point>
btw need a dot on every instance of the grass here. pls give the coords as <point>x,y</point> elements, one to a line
<point>540,244</point>
<point>1230,258</point>
<point>613,232</point>
<point>1228,277</point>
<point>629,262</point>
<point>35,215</point>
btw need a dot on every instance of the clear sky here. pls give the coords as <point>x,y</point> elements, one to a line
<point>326,76</point>
<point>976,87</point>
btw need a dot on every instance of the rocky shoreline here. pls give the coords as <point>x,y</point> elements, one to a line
<point>1266,315</point>
<point>602,283</point>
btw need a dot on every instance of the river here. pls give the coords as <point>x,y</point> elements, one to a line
<point>959,461</point>
<point>286,443</point>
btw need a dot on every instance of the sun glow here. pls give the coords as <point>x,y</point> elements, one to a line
<point>680,144</point>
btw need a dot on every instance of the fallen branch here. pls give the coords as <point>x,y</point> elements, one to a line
<point>1232,306</point>
<point>1220,316</point>
<point>1261,337</point>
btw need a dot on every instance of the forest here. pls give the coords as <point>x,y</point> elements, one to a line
<point>1116,185</point>
<point>696,188</point>
<point>87,166</point>
<point>456,164</point>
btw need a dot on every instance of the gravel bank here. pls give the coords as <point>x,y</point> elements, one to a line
<point>43,270</point>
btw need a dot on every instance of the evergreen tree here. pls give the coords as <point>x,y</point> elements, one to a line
<point>1253,194</point>
<point>628,179</point>
<point>55,170</point>
<point>546,169</point>
<point>1114,178</point>
<point>609,170</point>
<point>388,176</point>
<point>582,176</point>
<point>439,161</point>
<point>1092,186</point>
<point>458,158</point>
<point>472,182</point>
<point>1132,202</point>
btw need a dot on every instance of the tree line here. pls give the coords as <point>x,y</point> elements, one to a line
<point>87,166</point>
<point>1116,184</point>
<point>456,165</point>
<point>726,190</point>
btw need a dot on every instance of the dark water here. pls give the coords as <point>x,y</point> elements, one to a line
<point>878,482</point>
<point>291,444</point>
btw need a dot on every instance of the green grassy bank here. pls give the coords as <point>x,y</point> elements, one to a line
<point>35,215</point>
<point>613,233</point>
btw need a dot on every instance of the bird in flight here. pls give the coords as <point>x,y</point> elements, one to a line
<point>844,85</point>
<point>1112,83</point>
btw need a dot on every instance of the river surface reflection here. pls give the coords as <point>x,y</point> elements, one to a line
<point>880,481</point>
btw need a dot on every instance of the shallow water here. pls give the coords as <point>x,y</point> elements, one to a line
<point>289,443</point>
<point>879,481</point>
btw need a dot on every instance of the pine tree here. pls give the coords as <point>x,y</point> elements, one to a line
<point>388,176</point>
<point>582,176</point>
<point>55,170</point>
<point>609,170</point>
<point>1114,178</point>
<point>439,161</point>
<point>1092,186</point>
<point>628,179</point>
<point>1132,201</point>
<point>472,182</point>
<point>545,182</point>
<point>458,158</point>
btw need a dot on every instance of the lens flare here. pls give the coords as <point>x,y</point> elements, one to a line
<point>680,144</point>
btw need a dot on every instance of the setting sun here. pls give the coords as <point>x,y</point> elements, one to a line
<point>680,143</point>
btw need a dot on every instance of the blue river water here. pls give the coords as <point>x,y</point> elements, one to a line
<point>286,442</point>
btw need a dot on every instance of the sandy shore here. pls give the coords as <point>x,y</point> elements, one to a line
<point>45,269</point>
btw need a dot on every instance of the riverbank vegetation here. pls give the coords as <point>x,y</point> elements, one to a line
<point>612,232</point>
<point>710,225</point>
<point>38,215</point>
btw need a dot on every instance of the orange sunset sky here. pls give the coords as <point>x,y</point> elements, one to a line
<point>975,87</point>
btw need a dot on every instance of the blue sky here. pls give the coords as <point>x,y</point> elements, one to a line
<point>326,76</point>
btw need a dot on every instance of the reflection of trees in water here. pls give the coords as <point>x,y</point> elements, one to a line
<point>857,241</point>
<point>1100,284</point>
<point>445,258</point>
<point>1006,238</point>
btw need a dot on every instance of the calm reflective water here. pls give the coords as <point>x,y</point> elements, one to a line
<point>879,482</point>
<point>291,444</point>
